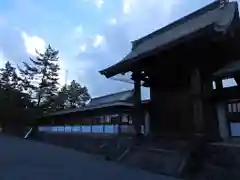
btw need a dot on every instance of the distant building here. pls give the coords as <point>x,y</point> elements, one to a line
<point>107,114</point>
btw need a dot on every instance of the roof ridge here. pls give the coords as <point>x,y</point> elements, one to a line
<point>214,5</point>
<point>118,101</point>
<point>121,92</point>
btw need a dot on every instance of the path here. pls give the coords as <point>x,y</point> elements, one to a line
<point>26,160</point>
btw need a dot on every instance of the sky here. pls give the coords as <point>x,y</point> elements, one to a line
<point>89,34</point>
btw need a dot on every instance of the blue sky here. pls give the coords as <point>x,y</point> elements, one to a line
<point>90,34</point>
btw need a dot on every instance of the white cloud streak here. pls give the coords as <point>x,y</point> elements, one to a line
<point>98,41</point>
<point>99,3</point>
<point>127,5</point>
<point>33,43</point>
<point>112,21</point>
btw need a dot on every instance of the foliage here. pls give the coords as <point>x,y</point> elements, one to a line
<point>41,76</point>
<point>72,96</point>
<point>27,92</point>
<point>16,106</point>
<point>8,77</point>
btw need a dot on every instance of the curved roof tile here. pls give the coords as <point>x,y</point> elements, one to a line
<point>213,15</point>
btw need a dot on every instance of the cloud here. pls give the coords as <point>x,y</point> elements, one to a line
<point>12,45</point>
<point>78,31</point>
<point>143,17</point>
<point>33,43</point>
<point>88,42</point>
<point>99,3</point>
<point>112,21</point>
<point>98,41</point>
<point>83,48</point>
<point>63,73</point>
<point>136,7</point>
<point>3,59</point>
<point>134,20</point>
<point>127,6</point>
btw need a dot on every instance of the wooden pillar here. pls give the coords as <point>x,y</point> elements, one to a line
<point>209,110</point>
<point>222,114</point>
<point>222,121</point>
<point>147,124</point>
<point>137,117</point>
<point>91,125</point>
<point>119,123</point>
<point>81,127</point>
<point>196,83</point>
<point>104,123</point>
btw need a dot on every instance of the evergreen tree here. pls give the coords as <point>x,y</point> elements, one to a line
<point>15,105</point>
<point>71,96</point>
<point>77,95</point>
<point>8,77</point>
<point>60,99</point>
<point>16,110</point>
<point>40,78</point>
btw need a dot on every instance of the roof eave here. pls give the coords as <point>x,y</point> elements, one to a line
<point>125,66</point>
<point>115,69</point>
<point>114,104</point>
<point>227,74</point>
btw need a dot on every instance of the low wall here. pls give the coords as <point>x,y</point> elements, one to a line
<point>109,129</point>
<point>103,144</point>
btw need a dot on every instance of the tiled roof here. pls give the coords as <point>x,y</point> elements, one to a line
<point>124,96</point>
<point>117,99</point>
<point>212,15</point>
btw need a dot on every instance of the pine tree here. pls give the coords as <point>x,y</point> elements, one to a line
<point>15,105</point>
<point>77,95</point>
<point>60,100</point>
<point>40,78</point>
<point>8,77</point>
<point>71,96</point>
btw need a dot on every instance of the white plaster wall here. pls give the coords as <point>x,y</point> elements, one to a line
<point>235,129</point>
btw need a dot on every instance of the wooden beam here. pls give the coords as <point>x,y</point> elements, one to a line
<point>226,94</point>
